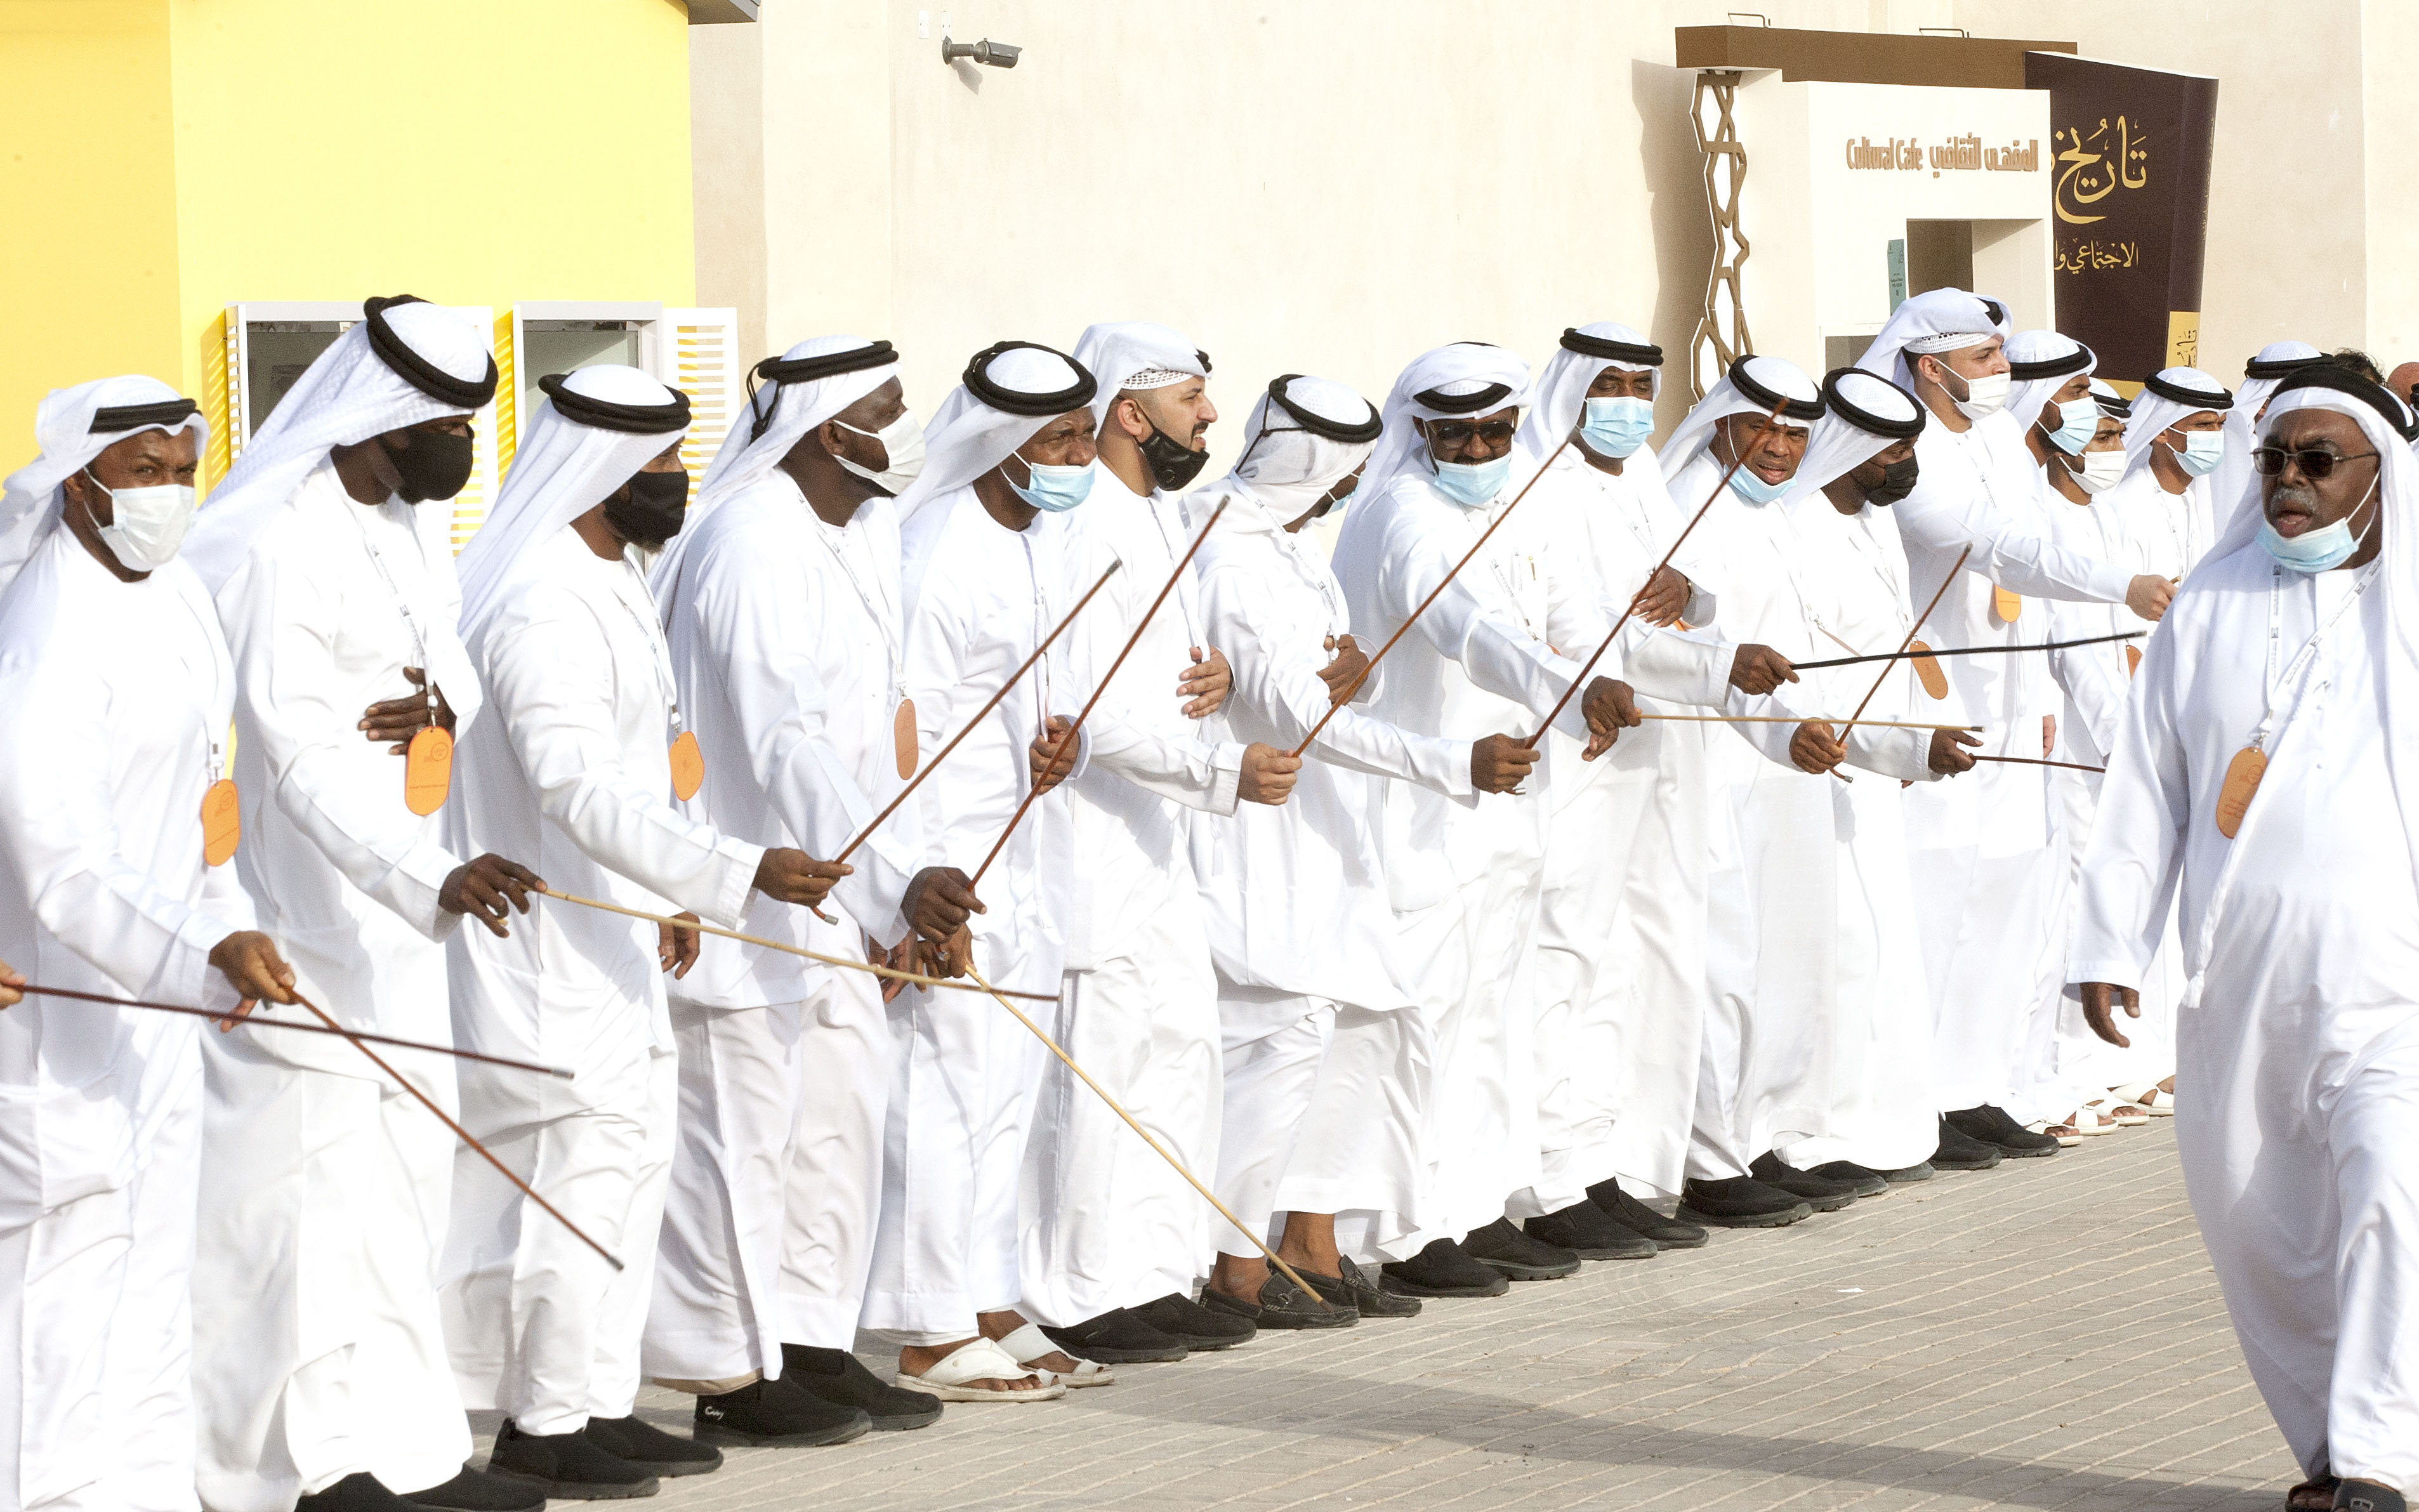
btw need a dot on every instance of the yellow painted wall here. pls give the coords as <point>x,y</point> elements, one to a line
<point>469,151</point>
<point>88,259</point>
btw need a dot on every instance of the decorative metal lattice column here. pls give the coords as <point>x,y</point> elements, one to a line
<point>1721,333</point>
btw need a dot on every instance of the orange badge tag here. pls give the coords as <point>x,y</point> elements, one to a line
<point>428,770</point>
<point>688,766</point>
<point>902,736</point>
<point>222,823</point>
<point>2006,606</point>
<point>2133,661</point>
<point>2243,776</point>
<point>1928,672</point>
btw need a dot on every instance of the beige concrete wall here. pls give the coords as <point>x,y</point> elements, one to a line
<point>1327,187</point>
<point>1335,186</point>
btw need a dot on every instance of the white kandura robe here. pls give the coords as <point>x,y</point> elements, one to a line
<point>320,1359</point>
<point>1465,883</point>
<point>569,773</point>
<point>1986,876</point>
<point>119,696</point>
<point>786,677</point>
<point>1773,921</point>
<point>981,598</point>
<point>1881,1112</point>
<point>2301,1052</point>
<point>1326,1055</point>
<point>2097,680</point>
<point>1108,1223</point>
<point>1621,933</point>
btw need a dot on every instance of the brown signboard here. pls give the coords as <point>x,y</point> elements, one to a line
<point>2129,164</point>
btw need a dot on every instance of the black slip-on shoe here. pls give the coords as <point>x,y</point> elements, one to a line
<point>1961,1152</point>
<point>1904,1176</point>
<point>1506,1248</point>
<point>475,1491</point>
<point>1821,1193</point>
<point>1635,1216</point>
<point>1283,1304</point>
<point>1443,1269</point>
<point>2367,1496</point>
<point>1117,1337</point>
<point>566,1465</point>
<point>1741,1202</point>
<point>1589,1232</point>
<point>1358,1289</point>
<point>360,1491</point>
<point>778,1415</point>
<point>650,1447</point>
<point>841,1378</point>
<point>1193,1325</point>
<point>1863,1176</point>
<point>1992,1126</point>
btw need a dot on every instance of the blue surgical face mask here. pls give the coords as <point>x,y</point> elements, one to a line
<point>1473,484</point>
<point>1755,491</point>
<point>2078,421</point>
<point>2201,452</point>
<point>1054,488</point>
<point>1617,428</point>
<point>2323,550</point>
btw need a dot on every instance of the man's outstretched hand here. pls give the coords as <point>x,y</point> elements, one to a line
<point>787,876</point>
<point>1500,764</point>
<point>1610,707</point>
<point>2101,1000</point>
<point>489,890</point>
<point>937,902</point>
<point>1758,670</point>
<point>249,961</point>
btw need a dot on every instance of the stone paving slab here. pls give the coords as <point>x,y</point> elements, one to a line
<point>2043,1336</point>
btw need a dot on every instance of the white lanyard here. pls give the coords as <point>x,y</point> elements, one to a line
<point>411,621</point>
<point>2298,673</point>
<point>1174,555</point>
<point>877,605</point>
<point>653,635</point>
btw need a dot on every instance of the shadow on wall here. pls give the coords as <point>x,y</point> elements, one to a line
<point>1682,236</point>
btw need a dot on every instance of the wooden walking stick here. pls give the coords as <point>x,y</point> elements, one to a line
<point>1339,699</point>
<point>1954,568</point>
<point>1117,1108</point>
<point>253,1021</point>
<point>850,849</point>
<point>893,973</point>
<point>464,1134</point>
<point>1059,750</point>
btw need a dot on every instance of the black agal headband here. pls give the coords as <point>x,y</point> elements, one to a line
<point>1016,401</point>
<point>417,370</point>
<point>604,414</point>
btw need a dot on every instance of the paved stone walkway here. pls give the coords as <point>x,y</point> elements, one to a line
<point>2043,1336</point>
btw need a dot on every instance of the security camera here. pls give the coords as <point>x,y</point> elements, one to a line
<point>993,55</point>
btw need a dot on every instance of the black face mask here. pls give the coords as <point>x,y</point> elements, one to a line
<point>435,465</point>
<point>1172,463</point>
<point>1898,481</point>
<point>651,512</point>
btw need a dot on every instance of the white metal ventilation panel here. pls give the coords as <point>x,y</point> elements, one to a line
<point>702,361</point>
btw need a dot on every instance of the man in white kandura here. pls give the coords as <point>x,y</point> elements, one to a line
<point>1621,935</point>
<point>1981,851</point>
<point>575,765</point>
<point>781,605</point>
<point>1327,1056</point>
<point>982,554</point>
<point>115,834</point>
<point>1874,1113</point>
<point>320,1370</point>
<point>1464,881</point>
<point>1115,1237</point>
<point>2263,777</point>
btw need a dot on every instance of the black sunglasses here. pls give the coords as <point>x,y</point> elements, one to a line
<point>1454,433</point>
<point>2268,461</point>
